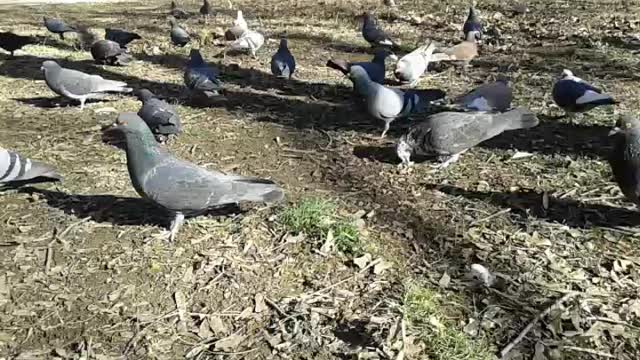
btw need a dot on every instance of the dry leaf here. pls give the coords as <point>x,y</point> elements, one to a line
<point>217,326</point>
<point>362,261</point>
<point>260,304</point>
<point>181,306</point>
<point>230,343</point>
<point>444,280</point>
<point>381,267</point>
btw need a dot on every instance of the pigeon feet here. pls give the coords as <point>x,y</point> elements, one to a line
<point>177,222</point>
<point>443,165</point>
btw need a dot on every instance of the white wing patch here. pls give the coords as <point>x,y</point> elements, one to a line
<point>591,96</point>
<point>480,104</point>
<point>385,42</point>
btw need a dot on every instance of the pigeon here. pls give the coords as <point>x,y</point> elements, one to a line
<point>250,41</point>
<point>177,12</point>
<point>178,186</point>
<point>375,69</point>
<point>472,25</point>
<point>625,156</point>
<point>283,64</point>
<point>239,27</point>
<point>388,104</point>
<point>86,37</point>
<point>77,85</point>
<point>57,26</point>
<point>410,67</point>
<point>16,169</point>
<point>12,42</point>
<point>464,52</point>
<point>122,37</point>
<point>108,52</point>
<point>199,77</point>
<point>179,37</point>
<point>373,34</point>
<point>495,96</point>
<point>574,95</point>
<point>389,3</point>
<point>162,118</point>
<point>205,9</point>
<point>449,134</point>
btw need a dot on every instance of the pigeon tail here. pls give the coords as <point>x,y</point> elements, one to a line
<point>518,119</point>
<point>115,86</point>
<point>340,65</point>
<point>257,190</point>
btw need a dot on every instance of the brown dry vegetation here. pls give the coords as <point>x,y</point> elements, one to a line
<point>84,276</point>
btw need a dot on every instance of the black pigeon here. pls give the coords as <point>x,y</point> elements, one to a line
<point>177,12</point>
<point>374,34</point>
<point>179,36</point>
<point>12,42</point>
<point>107,52</point>
<point>199,77</point>
<point>58,26</point>
<point>472,25</point>
<point>162,118</point>
<point>625,156</point>
<point>122,37</point>
<point>205,9</point>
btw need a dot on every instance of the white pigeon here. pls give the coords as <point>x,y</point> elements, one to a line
<point>239,27</point>
<point>249,41</point>
<point>411,66</point>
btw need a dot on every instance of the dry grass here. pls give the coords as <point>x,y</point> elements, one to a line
<point>84,275</point>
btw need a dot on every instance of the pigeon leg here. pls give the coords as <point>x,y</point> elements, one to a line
<point>175,226</point>
<point>61,36</point>
<point>453,158</point>
<point>384,132</point>
<point>82,100</point>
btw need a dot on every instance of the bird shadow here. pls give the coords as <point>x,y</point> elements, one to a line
<point>60,101</point>
<point>386,154</point>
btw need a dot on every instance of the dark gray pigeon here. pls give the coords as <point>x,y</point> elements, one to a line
<point>177,12</point>
<point>375,68</point>
<point>57,26</point>
<point>199,77</point>
<point>179,36</point>
<point>374,35</point>
<point>16,169</point>
<point>472,25</point>
<point>86,37</point>
<point>180,187</point>
<point>205,9</point>
<point>109,52</point>
<point>625,156</point>
<point>449,134</point>
<point>495,96</point>
<point>574,95</point>
<point>388,104</point>
<point>77,85</point>
<point>12,42</point>
<point>122,37</point>
<point>283,64</point>
<point>162,118</point>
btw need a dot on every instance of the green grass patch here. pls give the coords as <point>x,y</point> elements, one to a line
<point>317,218</point>
<point>443,339</point>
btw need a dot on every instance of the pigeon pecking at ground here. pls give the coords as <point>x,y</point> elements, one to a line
<point>77,85</point>
<point>177,12</point>
<point>107,52</point>
<point>283,64</point>
<point>449,134</point>
<point>463,52</point>
<point>122,37</point>
<point>199,77</point>
<point>238,28</point>
<point>472,25</point>
<point>388,104</point>
<point>179,36</point>
<point>375,68</point>
<point>250,41</point>
<point>494,96</point>
<point>16,169</point>
<point>373,34</point>
<point>58,26</point>
<point>12,42</point>
<point>161,118</point>
<point>178,186</point>
<point>574,95</point>
<point>625,156</point>
<point>410,67</point>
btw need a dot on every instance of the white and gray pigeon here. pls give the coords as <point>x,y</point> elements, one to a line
<point>250,41</point>
<point>58,26</point>
<point>449,134</point>
<point>199,77</point>
<point>238,28</point>
<point>374,68</point>
<point>162,118</point>
<point>493,96</point>
<point>16,169</point>
<point>178,186</point>
<point>179,36</point>
<point>373,34</point>
<point>625,156</point>
<point>283,64</point>
<point>472,25</point>
<point>76,85</point>
<point>574,95</point>
<point>388,104</point>
<point>410,67</point>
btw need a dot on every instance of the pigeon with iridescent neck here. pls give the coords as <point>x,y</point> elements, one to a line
<point>373,34</point>
<point>574,95</point>
<point>472,25</point>
<point>16,169</point>
<point>283,64</point>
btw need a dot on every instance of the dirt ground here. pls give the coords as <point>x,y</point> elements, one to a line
<point>83,275</point>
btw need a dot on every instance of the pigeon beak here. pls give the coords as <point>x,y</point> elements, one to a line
<point>614,131</point>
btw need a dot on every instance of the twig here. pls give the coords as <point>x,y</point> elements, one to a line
<point>330,139</point>
<point>503,211</point>
<point>275,307</point>
<point>372,264</point>
<point>589,351</point>
<point>70,227</point>
<point>49,257</point>
<point>612,321</point>
<point>533,322</point>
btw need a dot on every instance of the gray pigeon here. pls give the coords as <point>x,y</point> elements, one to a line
<point>373,34</point>
<point>57,26</point>
<point>495,96</point>
<point>375,68</point>
<point>16,169</point>
<point>180,187</point>
<point>122,37</point>
<point>388,104</point>
<point>77,85</point>
<point>179,36</point>
<point>162,118</point>
<point>574,95</point>
<point>283,64</point>
<point>449,134</point>
<point>107,52</point>
<point>410,67</point>
<point>199,77</point>
<point>625,156</point>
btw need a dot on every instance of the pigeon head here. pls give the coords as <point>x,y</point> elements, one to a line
<point>49,65</point>
<point>358,73</point>
<point>404,148</point>
<point>283,43</point>
<point>566,73</point>
<point>131,123</point>
<point>502,78</point>
<point>625,122</point>
<point>196,57</point>
<point>239,16</point>
<point>144,95</point>
<point>172,21</point>
<point>173,5</point>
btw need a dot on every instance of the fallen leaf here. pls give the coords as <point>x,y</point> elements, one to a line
<point>217,326</point>
<point>362,261</point>
<point>230,343</point>
<point>260,304</point>
<point>444,280</point>
<point>381,267</point>
<point>204,330</point>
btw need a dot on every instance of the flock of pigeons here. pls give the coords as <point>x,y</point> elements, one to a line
<point>185,189</point>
